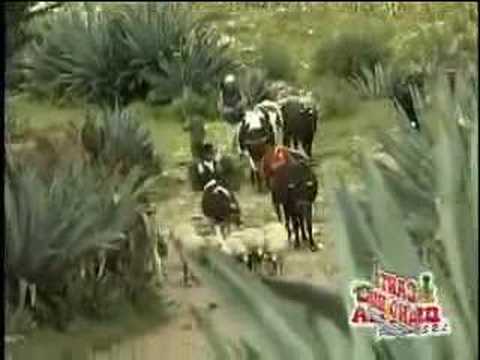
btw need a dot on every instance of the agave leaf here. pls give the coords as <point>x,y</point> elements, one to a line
<point>455,228</point>
<point>394,242</point>
<point>216,340</point>
<point>332,306</point>
<point>256,303</point>
<point>356,246</point>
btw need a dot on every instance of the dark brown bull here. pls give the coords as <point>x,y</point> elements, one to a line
<point>294,188</point>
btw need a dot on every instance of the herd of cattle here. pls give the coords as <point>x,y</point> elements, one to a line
<point>276,136</point>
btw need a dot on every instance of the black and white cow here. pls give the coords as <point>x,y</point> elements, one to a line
<point>221,207</point>
<point>260,127</point>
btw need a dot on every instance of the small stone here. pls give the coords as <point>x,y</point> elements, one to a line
<point>187,327</point>
<point>212,306</point>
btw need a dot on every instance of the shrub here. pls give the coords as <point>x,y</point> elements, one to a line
<point>336,97</point>
<point>14,125</point>
<point>152,37</point>
<point>142,51</point>
<point>277,62</point>
<point>347,51</point>
<point>128,143</point>
<point>190,104</point>
<point>376,83</point>
<point>81,57</point>
<point>439,44</point>
<point>53,225</point>
<point>50,225</point>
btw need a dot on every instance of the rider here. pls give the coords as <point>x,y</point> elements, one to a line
<point>231,102</point>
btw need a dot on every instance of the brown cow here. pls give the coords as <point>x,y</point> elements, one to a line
<point>294,187</point>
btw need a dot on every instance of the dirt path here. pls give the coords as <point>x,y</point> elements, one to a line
<point>181,339</point>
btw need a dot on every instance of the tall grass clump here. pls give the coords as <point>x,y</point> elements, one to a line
<point>51,226</point>
<point>336,96</point>
<point>435,177</point>
<point>128,143</point>
<point>451,44</point>
<point>57,227</point>
<point>81,57</point>
<point>346,51</point>
<point>153,35</point>
<point>277,61</point>
<point>375,83</point>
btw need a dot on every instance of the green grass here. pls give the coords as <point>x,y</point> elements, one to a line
<point>44,115</point>
<point>171,140</point>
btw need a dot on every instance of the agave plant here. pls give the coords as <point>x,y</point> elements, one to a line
<point>170,50</point>
<point>374,83</point>
<point>81,56</point>
<point>18,16</point>
<point>51,225</point>
<point>206,59</point>
<point>438,41</point>
<point>152,36</point>
<point>127,142</point>
<point>372,227</point>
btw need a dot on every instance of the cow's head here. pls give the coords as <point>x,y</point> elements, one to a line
<point>304,194</point>
<point>256,128</point>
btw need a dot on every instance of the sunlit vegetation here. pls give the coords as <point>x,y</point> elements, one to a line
<point>140,72</point>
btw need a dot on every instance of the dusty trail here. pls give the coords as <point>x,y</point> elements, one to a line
<point>181,339</point>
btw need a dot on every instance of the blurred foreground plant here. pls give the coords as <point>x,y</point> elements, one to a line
<point>434,177</point>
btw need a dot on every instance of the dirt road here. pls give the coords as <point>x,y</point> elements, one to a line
<point>181,339</point>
